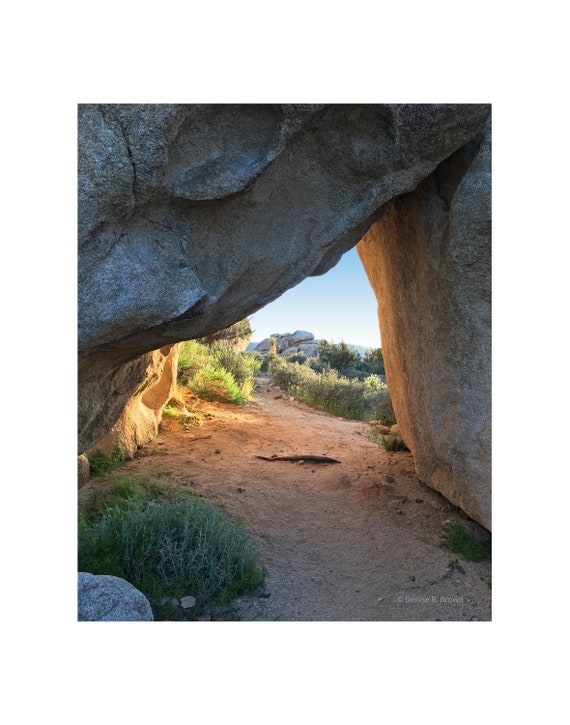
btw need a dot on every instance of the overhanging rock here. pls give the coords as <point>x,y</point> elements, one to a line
<point>192,217</point>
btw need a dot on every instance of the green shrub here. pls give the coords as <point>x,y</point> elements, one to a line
<point>101,464</point>
<point>217,372</point>
<point>169,548</point>
<point>461,541</point>
<point>242,365</point>
<point>124,487</point>
<point>350,398</point>
<point>296,357</point>
<point>373,357</point>
<point>267,361</point>
<point>339,356</point>
<point>193,356</point>
<point>213,383</point>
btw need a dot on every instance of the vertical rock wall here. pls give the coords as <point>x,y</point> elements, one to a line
<point>139,420</point>
<point>429,262</point>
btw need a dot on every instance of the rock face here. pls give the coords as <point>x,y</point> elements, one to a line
<point>139,420</point>
<point>287,343</point>
<point>429,262</point>
<point>82,470</point>
<point>106,598</point>
<point>192,217</point>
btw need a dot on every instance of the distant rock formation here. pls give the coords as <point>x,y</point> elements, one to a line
<point>287,343</point>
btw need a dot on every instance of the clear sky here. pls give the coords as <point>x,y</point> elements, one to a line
<point>339,305</point>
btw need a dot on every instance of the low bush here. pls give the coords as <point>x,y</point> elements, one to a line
<point>101,464</point>
<point>217,371</point>
<point>266,362</point>
<point>124,487</point>
<point>346,360</point>
<point>461,541</point>
<point>169,547</point>
<point>212,383</point>
<point>193,356</point>
<point>350,398</point>
<point>242,365</point>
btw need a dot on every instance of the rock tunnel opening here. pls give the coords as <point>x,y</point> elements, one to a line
<point>192,217</point>
<point>154,269</point>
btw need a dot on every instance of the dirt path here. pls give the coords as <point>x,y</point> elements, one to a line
<point>355,541</point>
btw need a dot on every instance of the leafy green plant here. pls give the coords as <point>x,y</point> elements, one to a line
<point>101,464</point>
<point>461,541</point>
<point>170,547</point>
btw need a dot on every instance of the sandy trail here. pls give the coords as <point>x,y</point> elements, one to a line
<point>355,541</point>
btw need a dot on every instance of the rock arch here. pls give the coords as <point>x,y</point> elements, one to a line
<point>192,217</point>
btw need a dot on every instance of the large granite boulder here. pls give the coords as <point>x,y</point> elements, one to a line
<point>106,598</point>
<point>192,217</point>
<point>429,262</point>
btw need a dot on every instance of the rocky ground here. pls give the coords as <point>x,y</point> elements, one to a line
<point>354,541</point>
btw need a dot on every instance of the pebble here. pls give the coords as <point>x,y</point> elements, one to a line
<point>188,602</point>
<point>419,500</point>
<point>390,479</point>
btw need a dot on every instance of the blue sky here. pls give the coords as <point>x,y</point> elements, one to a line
<point>339,305</point>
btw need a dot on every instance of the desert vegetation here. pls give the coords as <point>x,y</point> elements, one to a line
<point>166,543</point>
<point>338,381</point>
<point>462,541</point>
<point>169,542</point>
<point>216,371</point>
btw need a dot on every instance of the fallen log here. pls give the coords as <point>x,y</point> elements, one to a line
<point>311,458</point>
